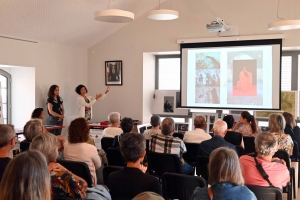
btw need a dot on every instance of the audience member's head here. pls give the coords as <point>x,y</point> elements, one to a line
<point>78,131</point>
<point>114,117</point>
<point>78,89</point>
<point>250,119</point>
<point>168,126</point>
<point>126,125</point>
<point>155,120</point>
<point>220,128</point>
<point>7,137</point>
<point>265,144</point>
<point>32,128</point>
<point>133,147</point>
<point>47,144</point>
<point>224,166</point>
<point>38,113</point>
<point>276,123</point>
<point>289,118</point>
<point>229,121</point>
<point>26,177</point>
<point>200,121</point>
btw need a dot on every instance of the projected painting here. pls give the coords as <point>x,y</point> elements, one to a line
<point>207,78</point>
<point>244,78</point>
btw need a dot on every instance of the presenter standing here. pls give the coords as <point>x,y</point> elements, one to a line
<point>55,109</point>
<point>85,102</point>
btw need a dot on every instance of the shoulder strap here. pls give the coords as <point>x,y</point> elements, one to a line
<point>262,172</point>
<point>210,194</point>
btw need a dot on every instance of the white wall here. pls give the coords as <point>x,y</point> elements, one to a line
<point>144,35</point>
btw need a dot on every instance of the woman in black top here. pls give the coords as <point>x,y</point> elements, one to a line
<point>55,109</point>
<point>232,137</point>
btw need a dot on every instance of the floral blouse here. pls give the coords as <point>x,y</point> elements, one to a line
<point>87,111</point>
<point>246,130</point>
<point>285,142</point>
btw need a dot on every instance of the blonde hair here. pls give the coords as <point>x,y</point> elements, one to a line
<point>224,166</point>
<point>199,121</point>
<point>47,144</point>
<point>26,178</point>
<point>32,128</point>
<point>276,123</point>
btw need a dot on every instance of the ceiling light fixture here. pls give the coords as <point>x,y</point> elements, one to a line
<point>114,15</point>
<point>163,14</point>
<point>283,24</point>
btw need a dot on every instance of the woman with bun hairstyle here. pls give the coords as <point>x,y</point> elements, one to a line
<point>246,125</point>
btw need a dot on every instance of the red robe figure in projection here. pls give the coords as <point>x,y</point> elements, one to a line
<point>244,86</point>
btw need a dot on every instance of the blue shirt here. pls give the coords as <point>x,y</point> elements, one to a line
<point>224,191</point>
<point>206,147</point>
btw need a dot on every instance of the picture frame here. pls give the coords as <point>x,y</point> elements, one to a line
<point>113,72</point>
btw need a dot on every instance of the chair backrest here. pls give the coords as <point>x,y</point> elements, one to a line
<point>179,135</point>
<point>240,150</point>
<point>114,157</point>
<point>295,156</point>
<point>282,154</point>
<point>267,193</point>
<point>233,137</point>
<point>190,156</point>
<point>80,169</point>
<point>159,163</point>
<point>106,172</point>
<point>179,186</point>
<point>249,144</point>
<point>202,166</point>
<point>106,143</point>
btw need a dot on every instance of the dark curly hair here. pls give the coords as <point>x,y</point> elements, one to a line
<point>78,131</point>
<point>78,88</point>
<point>229,121</point>
<point>37,113</point>
<point>126,125</point>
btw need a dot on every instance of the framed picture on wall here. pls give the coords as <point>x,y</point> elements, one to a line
<point>113,72</point>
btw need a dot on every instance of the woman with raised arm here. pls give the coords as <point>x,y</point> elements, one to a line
<point>85,102</point>
<point>246,125</point>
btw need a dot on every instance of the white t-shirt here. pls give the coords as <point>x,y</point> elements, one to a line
<point>111,132</point>
<point>83,152</point>
<point>196,136</point>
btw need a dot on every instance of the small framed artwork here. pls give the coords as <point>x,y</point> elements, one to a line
<point>113,72</point>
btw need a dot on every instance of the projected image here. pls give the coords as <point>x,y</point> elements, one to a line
<point>207,77</point>
<point>208,60</point>
<point>209,95</point>
<point>168,104</point>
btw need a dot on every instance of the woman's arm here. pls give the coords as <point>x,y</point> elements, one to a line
<point>82,102</point>
<point>236,126</point>
<point>49,105</point>
<point>96,158</point>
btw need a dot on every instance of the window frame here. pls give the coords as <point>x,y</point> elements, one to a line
<point>8,100</point>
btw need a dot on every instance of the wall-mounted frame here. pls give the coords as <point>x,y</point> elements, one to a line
<point>113,72</point>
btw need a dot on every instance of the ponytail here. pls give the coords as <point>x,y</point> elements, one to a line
<point>253,124</point>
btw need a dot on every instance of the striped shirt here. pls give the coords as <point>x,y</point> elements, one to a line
<point>160,143</point>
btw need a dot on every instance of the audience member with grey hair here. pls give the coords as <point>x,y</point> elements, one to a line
<point>265,146</point>
<point>198,135</point>
<point>155,122</point>
<point>277,124</point>
<point>206,147</point>
<point>31,129</point>
<point>113,130</point>
<point>7,143</point>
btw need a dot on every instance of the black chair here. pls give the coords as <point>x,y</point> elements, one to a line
<point>179,186</point>
<point>179,135</point>
<point>266,193</point>
<point>295,158</point>
<point>80,169</point>
<point>233,137</point>
<point>106,172</point>
<point>106,143</point>
<point>190,156</point>
<point>249,144</point>
<point>202,166</point>
<point>114,157</point>
<point>159,163</point>
<point>240,150</point>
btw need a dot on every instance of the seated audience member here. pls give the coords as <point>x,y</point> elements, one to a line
<point>76,148</point>
<point>198,135</point>
<point>113,130</point>
<point>7,143</point>
<point>38,113</point>
<point>132,180</point>
<point>155,123</point>
<point>166,143</point>
<point>127,126</point>
<point>232,137</point>
<point>291,127</point>
<point>276,126</point>
<point>206,147</point>
<point>31,129</point>
<point>246,125</point>
<point>225,178</point>
<point>26,177</point>
<point>148,196</point>
<point>265,146</point>
<point>63,182</point>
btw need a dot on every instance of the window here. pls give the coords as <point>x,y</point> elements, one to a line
<point>286,71</point>
<point>5,80</point>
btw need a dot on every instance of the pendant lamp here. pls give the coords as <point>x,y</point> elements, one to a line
<point>163,14</point>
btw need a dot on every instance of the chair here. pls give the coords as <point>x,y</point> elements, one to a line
<point>106,142</point>
<point>266,193</point>
<point>249,144</point>
<point>106,172</point>
<point>80,169</point>
<point>240,150</point>
<point>190,156</point>
<point>202,166</point>
<point>179,135</point>
<point>179,186</point>
<point>295,158</point>
<point>159,163</point>
<point>114,157</point>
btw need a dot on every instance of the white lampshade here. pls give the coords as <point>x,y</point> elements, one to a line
<point>163,14</point>
<point>284,25</point>
<point>114,16</point>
